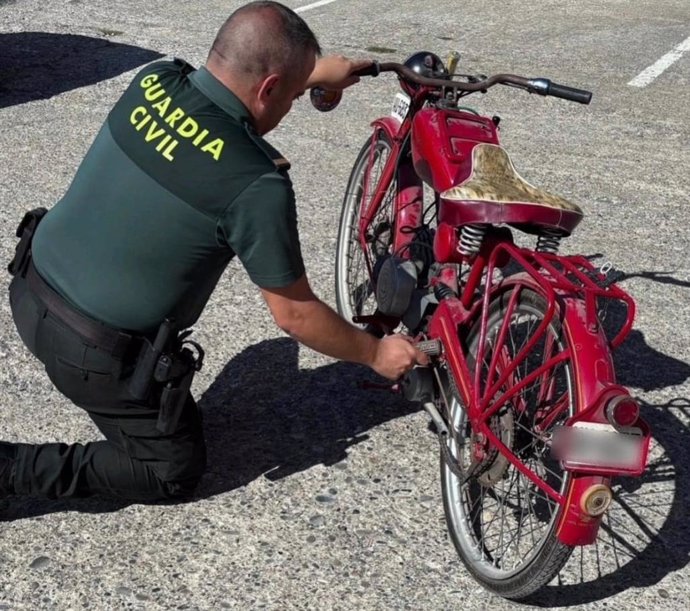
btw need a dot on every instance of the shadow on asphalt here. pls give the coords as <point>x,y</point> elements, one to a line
<point>660,277</point>
<point>646,534</point>
<point>39,65</point>
<point>265,416</point>
<point>638,365</point>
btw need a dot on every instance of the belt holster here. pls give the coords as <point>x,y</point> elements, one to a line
<point>182,367</point>
<point>169,362</point>
<point>25,233</point>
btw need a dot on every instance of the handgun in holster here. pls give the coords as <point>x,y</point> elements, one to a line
<point>141,382</point>
<point>168,362</point>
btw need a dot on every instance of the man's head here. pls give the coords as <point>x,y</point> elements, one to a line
<point>264,53</point>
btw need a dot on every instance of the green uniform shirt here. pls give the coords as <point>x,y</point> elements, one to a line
<point>175,184</point>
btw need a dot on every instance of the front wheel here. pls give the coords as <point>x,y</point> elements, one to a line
<point>502,524</point>
<point>354,287</point>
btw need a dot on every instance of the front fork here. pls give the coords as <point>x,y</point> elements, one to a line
<point>408,204</point>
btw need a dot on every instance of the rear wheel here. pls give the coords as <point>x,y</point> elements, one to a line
<point>502,524</point>
<point>354,289</point>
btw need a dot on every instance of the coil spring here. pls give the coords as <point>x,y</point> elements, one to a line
<point>443,291</point>
<point>471,237</point>
<point>549,241</point>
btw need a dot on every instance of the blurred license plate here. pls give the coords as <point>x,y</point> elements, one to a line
<point>401,106</point>
<point>591,444</point>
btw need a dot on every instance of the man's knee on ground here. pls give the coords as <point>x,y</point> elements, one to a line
<point>181,488</point>
<point>184,475</point>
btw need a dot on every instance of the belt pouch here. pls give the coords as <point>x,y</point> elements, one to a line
<point>143,375</point>
<point>25,233</point>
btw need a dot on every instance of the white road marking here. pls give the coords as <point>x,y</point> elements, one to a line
<point>645,77</point>
<point>308,7</point>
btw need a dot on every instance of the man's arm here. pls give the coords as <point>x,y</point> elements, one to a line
<point>299,313</point>
<point>335,72</point>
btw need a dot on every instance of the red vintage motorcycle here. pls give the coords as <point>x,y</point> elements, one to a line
<point>522,390</point>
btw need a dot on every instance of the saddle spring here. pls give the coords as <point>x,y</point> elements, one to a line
<point>471,237</point>
<point>549,241</point>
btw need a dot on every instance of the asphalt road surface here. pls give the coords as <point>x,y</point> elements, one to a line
<point>322,495</point>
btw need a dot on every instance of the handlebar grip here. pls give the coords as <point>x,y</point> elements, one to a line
<point>544,86</point>
<point>570,93</point>
<point>373,70</point>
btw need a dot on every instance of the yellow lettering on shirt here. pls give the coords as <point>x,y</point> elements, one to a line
<point>153,133</point>
<point>167,153</point>
<point>188,128</point>
<point>162,106</point>
<point>174,117</point>
<point>143,122</point>
<point>149,80</point>
<point>200,138</point>
<point>136,113</point>
<point>158,133</point>
<point>163,142</point>
<point>154,92</point>
<point>215,148</point>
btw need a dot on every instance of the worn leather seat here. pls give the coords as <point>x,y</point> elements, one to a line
<point>495,193</point>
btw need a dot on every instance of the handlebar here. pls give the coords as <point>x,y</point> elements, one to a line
<point>541,86</point>
<point>582,96</point>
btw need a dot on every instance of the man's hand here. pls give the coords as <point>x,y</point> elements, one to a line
<point>336,72</point>
<point>299,313</point>
<point>395,356</point>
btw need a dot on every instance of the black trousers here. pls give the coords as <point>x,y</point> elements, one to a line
<point>134,461</point>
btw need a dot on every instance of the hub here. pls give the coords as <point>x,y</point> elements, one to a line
<point>494,464</point>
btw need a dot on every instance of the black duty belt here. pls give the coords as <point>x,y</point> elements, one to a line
<point>106,338</point>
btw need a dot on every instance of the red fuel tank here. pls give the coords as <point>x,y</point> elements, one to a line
<point>442,143</point>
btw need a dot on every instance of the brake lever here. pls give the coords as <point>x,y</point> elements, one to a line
<point>476,78</point>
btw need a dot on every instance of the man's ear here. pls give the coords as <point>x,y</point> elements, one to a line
<point>268,87</point>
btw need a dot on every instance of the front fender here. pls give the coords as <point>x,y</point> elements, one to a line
<point>388,124</point>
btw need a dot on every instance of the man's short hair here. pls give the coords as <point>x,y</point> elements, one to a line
<point>264,37</point>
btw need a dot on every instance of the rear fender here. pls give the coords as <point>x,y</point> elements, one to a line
<point>594,383</point>
<point>570,289</point>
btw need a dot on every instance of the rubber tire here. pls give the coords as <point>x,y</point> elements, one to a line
<point>554,554</point>
<point>349,217</point>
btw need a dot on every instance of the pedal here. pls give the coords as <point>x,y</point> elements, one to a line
<point>430,347</point>
<point>377,325</point>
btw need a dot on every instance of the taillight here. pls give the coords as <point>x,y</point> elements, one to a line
<point>622,411</point>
